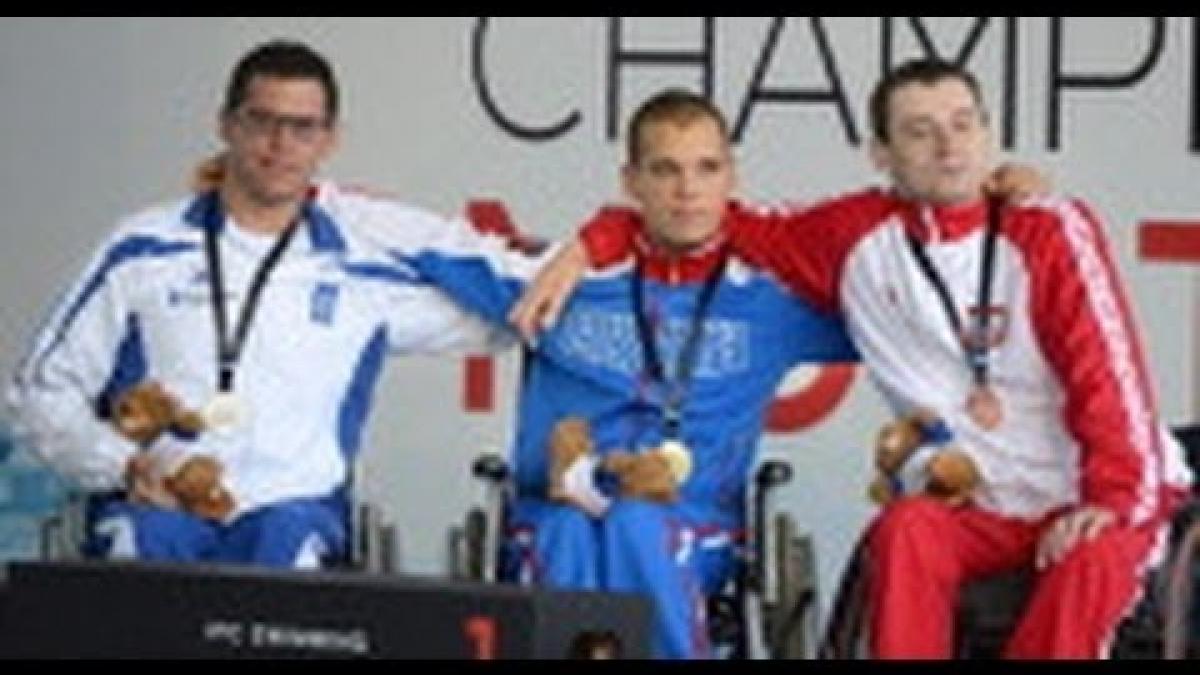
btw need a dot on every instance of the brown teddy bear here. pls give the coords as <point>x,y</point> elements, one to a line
<point>646,476</point>
<point>570,441</point>
<point>573,465</point>
<point>940,470</point>
<point>144,412</point>
<point>652,476</point>
<point>197,485</point>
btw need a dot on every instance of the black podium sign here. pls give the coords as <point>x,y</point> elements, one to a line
<point>122,610</point>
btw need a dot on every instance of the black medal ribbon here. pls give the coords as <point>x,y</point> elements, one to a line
<point>975,347</point>
<point>229,349</point>
<point>688,353</point>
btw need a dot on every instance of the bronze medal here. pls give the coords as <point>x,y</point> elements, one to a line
<point>985,408</point>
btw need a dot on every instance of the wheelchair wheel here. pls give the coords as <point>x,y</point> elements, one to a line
<point>790,615</point>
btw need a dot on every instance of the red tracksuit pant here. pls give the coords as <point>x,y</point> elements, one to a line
<point>922,552</point>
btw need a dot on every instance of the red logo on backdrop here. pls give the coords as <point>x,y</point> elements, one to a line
<point>479,374</point>
<point>808,396</point>
<point>1169,241</point>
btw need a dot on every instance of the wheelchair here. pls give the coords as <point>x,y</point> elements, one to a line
<point>767,609</point>
<point>1165,624</point>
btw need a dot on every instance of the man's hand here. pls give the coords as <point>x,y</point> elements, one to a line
<point>542,303</point>
<point>144,479</point>
<point>1018,182</point>
<point>1081,525</point>
<point>208,174</point>
<point>577,486</point>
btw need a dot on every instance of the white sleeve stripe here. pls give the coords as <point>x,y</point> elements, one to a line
<point>1106,307</point>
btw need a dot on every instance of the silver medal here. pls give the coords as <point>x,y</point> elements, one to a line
<point>225,412</point>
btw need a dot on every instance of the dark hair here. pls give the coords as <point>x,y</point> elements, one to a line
<point>282,59</point>
<point>676,105</point>
<point>923,71</point>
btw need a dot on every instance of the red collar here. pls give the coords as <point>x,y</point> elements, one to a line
<point>672,268</point>
<point>932,223</point>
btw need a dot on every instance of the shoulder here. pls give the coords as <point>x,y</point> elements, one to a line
<point>156,229</point>
<point>846,216</point>
<point>357,207</point>
<point>1053,217</point>
<point>370,218</point>
<point>167,219</point>
<point>862,203</point>
<point>1057,235</point>
<point>1060,207</point>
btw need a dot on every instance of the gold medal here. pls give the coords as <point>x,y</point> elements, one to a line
<point>985,408</point>
<point>679,458</point>
<point>225,412</point>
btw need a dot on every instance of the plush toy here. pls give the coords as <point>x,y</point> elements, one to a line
<point>570,443</point>
<point>654,475</point>
<point>146,411</point>
<point>573,466</point>
<point>198,487</point>
<point>645,476</point>
<point>916,454</point>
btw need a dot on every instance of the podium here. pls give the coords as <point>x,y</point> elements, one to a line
<point>132,610</point>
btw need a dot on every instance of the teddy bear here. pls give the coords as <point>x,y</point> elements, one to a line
<point>197,484</point>
<point>570,441</point>
<point>145,412</point>
<point>654,476</point>
<point>573,467</point>
<point>916,454</point>
<point>645,476</point>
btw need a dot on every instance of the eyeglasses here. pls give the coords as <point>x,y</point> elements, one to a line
<point>263,123</point>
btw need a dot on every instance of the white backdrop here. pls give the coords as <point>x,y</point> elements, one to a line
<point>102,116</point>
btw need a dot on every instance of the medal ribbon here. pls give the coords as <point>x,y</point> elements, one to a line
<point>229,351</point>
<point>975,347</point>
<point>688,353</point>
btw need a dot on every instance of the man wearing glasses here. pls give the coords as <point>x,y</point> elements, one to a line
<point>265,307</point>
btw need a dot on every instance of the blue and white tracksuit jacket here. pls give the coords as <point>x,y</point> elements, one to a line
<point>339,301</point>
<point>590,365</point>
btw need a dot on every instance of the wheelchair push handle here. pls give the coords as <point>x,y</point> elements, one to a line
<point>493,468</point>
<point>773,474</point>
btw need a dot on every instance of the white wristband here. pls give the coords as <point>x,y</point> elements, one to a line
<point>579,485</point>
